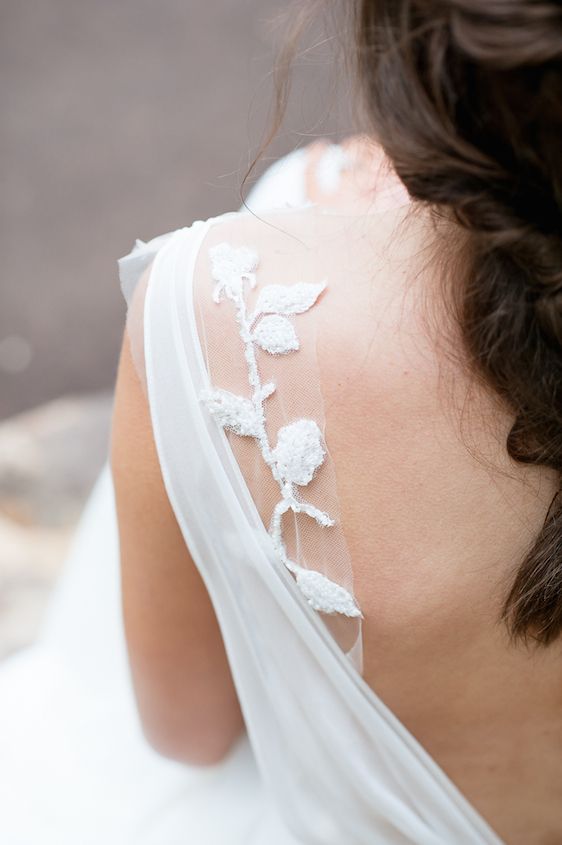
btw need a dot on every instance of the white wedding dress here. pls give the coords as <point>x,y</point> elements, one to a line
<point>227,339</point>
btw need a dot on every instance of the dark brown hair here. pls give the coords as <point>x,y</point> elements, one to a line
<point>466,99</point>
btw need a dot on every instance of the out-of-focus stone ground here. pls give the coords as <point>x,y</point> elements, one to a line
<point>120,119</point>
<point>49,459</point>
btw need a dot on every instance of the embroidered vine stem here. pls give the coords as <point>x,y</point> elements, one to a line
<point>254,380</point>
<point>289,500</point>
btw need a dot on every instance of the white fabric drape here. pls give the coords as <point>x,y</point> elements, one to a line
<point>339,764</point>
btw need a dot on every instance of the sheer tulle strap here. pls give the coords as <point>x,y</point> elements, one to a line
<point>133,265</point>
<point>134,280</point>
<point>132,268</point>
<point>259,294</point>
<point>300,451</point>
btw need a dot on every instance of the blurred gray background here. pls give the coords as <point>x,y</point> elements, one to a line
<point>120,119</point>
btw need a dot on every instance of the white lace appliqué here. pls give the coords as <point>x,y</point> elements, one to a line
<point>299,450</point>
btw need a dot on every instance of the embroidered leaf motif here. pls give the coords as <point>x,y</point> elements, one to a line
<point>299,451</point>
<point>233,412</point>
<point>276,335</point>
<point>288,299</point>
<point>267,390</point>
<point>325,595</point>
<point>230,268</point>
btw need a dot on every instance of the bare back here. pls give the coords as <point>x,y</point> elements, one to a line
<point>436,516</point>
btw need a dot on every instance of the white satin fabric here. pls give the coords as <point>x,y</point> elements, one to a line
<point>327,763</point>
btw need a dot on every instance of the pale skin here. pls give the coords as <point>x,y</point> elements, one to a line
<point>184,690</point>
<point>432,536</point>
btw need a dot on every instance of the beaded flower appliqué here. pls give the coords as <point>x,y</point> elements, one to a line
<point>299,450</point>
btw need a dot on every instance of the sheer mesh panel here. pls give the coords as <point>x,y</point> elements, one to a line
<point>283,259</point>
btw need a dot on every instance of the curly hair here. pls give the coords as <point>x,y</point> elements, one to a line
<point>466,99</point>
